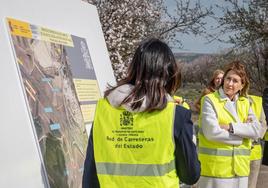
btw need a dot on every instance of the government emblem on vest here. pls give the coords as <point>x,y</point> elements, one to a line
<point>126,119</point>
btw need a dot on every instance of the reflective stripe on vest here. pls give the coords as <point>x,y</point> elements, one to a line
<point>256,105</point>
<point>219,159</point>
<point>220,152</point>
<point>135,169</point>
<point>134,149</point>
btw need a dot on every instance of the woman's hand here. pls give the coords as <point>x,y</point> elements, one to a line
<point>249,120</point>
<point>178,101</point>
<point>225,127</point>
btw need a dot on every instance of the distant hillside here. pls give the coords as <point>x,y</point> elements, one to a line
<point>188,57</point>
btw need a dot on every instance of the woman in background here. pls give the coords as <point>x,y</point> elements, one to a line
<point>213,85</point>
<point>256,149</point>
<point>265,108</point>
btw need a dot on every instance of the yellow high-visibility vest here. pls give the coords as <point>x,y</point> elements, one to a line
<point>256,105</point>
<point>223,160</point>
<point>184,104</point>
<point>134,149</point>
<point>266,136</point>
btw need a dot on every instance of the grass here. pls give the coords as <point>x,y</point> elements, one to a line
<point>191,92</point>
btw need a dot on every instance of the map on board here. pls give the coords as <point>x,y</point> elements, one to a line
<point>61,91</point>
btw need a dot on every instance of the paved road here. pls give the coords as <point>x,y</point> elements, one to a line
<point>263,177</point>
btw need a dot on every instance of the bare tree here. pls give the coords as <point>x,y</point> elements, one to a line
<point>247,21</point>
<point>126,22</point>
<point>200,70</point>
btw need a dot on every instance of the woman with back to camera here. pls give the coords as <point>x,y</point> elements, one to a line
<point>140,138</point>
<point>227,125</point>
<point>213,85</point>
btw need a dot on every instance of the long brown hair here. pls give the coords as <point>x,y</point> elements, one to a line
<point>211,84</point>
<point>154,73</point>
<point>209,89</point>
<point>239,68</point>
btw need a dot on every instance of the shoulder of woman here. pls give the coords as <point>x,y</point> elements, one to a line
<point>207,104</point>
<point>181,111</point>
<point>182,117</point>
<point>209,90</point>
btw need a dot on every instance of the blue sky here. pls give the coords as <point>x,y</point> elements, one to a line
<point>199,44</point>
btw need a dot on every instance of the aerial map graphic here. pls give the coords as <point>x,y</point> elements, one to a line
<point>61,91</point>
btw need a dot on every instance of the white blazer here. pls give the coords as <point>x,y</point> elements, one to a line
<point>212,130</point>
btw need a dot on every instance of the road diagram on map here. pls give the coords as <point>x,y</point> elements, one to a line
<point>61,91</point>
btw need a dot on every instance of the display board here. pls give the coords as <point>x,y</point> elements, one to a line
<point>61,90</point>
<point>52,72</point>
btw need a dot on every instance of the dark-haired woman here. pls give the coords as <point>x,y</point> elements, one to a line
<point>140,137</point>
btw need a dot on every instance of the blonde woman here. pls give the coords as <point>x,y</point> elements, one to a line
<point>213,85</point>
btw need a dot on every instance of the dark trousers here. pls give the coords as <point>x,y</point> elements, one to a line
<point>265,154</point>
